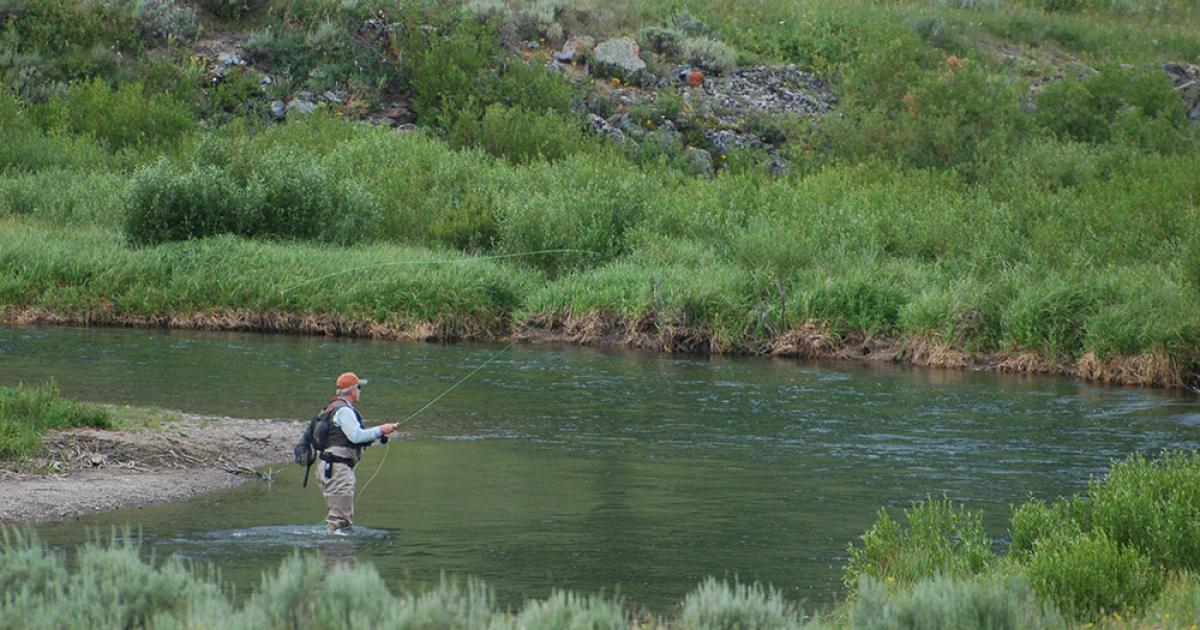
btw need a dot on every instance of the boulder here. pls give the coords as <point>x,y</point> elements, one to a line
<point>278,110</point>
<point>1187,82</point>
<point>618,58</point>
<point>575,49</point>
<point>603,128</point>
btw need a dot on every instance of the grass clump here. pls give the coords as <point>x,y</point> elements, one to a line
<point>26,412</point>
<point>718,605</point>
<point>989,602</point>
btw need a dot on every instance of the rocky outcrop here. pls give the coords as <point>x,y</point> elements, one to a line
<point>618,58</point>
<point>1187,82</point>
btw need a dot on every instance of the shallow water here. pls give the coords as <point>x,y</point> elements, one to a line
<point>600,470</point>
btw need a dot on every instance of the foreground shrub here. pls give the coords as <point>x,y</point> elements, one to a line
<point>1091,574</point>
<point>717,605</point>
<point>1152,506</point>
<point>988,603</point>
<point>27,411</point>
<point>941,538</point>
<point>564,609</point>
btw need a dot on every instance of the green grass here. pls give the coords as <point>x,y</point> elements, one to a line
<point>27,412</point>
<point>935,204</point>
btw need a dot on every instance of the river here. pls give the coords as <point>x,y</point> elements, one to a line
<point>600,470</point>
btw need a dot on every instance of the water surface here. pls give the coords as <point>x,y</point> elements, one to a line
<point>597,470</point>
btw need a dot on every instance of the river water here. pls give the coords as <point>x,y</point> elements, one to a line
<point>600,470</point>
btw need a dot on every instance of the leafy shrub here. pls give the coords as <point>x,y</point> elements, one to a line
<point>129,116</point>
<point>284,196</point>
<point>1152,506</point>
<point>27,411</point>
<point>661,40</point>
<point>1138,106</point>
<point>520,135</point>
<point>941,538</point>
<point>684,22</point>
<point>166,19</point>
<point>987,603</point>
<point>708,54</point>
<point>717,605</point>
<point>1034,521</point>
<point>1091,574</point>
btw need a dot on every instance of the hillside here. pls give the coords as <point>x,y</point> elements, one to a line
<point>1003,184</point>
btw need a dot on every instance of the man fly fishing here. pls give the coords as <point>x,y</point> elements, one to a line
<point>341,448</point>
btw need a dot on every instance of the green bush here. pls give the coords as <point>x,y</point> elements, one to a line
<point>166,19</point>
<point>128,116</point>
<point>940,538</point>
<point>1034,521</point>
<point>564,609</point>
<point>28,411</point>
<point>280,195</point>
<point>1152,506</point>
<point>987,603</point>
<point>1137,107</point>
<point>169,204</point>
<point>708,54</point>
<point>1089,575</point>
<point>717,605</point>
<point>520,135</point>
<point>667,42</point>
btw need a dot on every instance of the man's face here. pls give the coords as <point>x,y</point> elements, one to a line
<point>355,393</point>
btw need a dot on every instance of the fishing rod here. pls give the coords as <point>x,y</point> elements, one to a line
<point>430,403</point>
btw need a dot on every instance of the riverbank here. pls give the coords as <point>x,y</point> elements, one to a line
<point>82,471</point>
<point>809,341</point>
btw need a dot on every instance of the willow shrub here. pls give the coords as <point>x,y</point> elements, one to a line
<point>1092,574</point>
<point>297,198</point>
<point>28,411</point>
<point>128,116</point>
<point>940,538</point>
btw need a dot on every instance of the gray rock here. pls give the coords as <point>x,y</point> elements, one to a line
<point>618,58</point>
<point>603,128</point>
<point>302,106</point>
<point>1187,82</point>
<point>779,91</point>
<point>575,49</point>
<point>725,141</point>
<point>265,80</point>
<point>699,162</point>
<point>622,121</point>
<point>278,110</point>
<point>306,96</point>
<point>333,97</point>
<point>230,59</point>
<point>668,130</point>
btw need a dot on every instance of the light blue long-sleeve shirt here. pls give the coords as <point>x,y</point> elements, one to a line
<point>345,419</point>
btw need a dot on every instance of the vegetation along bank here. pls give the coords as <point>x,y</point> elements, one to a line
<point>1006,184</point>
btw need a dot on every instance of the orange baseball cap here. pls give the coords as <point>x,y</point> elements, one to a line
<point>349,379</point>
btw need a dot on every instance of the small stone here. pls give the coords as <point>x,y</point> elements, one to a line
<point>575,49</point>
<point>230,59</point>
<point>301,106</point>
<point>278,109</point>
<point>333,97</point>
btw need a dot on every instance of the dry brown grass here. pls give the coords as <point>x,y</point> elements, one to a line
<point>1151,369</point>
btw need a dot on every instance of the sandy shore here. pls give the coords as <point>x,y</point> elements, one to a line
<point>81,471</point>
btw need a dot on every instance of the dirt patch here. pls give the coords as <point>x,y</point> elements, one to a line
<point>81,471</point>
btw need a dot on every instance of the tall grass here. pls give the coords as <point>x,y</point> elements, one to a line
<point>26,412</point>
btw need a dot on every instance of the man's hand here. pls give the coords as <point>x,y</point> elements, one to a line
<point>388,428</point>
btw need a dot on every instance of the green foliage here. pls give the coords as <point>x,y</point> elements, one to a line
<point>128,116</point>
<point>568,611</point>
<point>1136,107</point>
<point>662,40</point>
<point>520,135</point>
<point>711,55</point>
<point>718,605</point>
<point>992,602</point>
<point>230,9</point>
<point>166,19</point>
<point>28,411</point>
<point>1091,574</point>
<point>1049,315</point>
<point>1035,521</point>
<point>940,538</point>
<point>1152,506</point>
<point>65,196</point>
<point>283,196</point>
